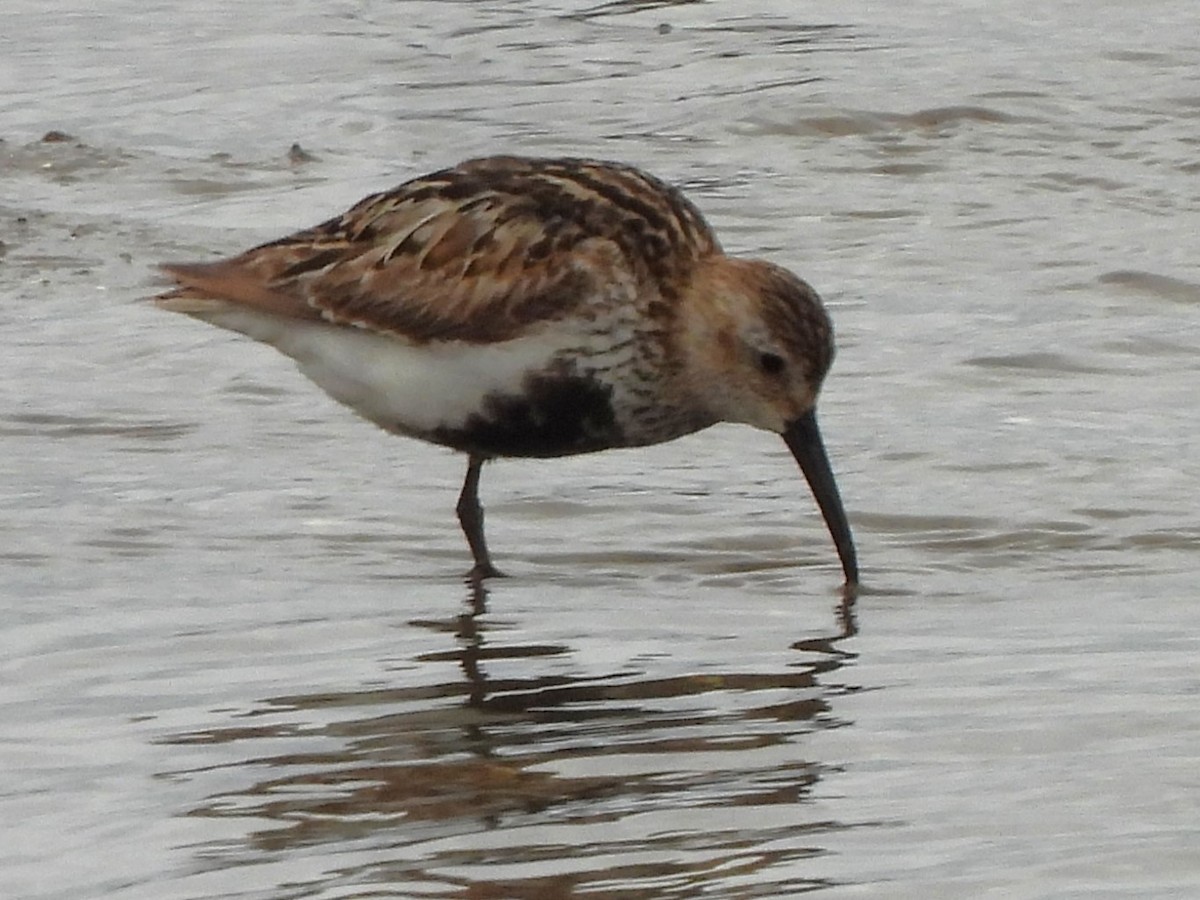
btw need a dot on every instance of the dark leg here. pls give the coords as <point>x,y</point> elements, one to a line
<point>470,516</point>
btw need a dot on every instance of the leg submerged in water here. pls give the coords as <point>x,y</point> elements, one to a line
<point>470,517</point>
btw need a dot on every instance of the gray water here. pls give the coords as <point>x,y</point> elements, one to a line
<point>236,658</point>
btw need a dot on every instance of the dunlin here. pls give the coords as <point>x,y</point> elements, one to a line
<point>513,307</point>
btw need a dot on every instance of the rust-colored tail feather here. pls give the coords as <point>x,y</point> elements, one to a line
<point>205,285</point>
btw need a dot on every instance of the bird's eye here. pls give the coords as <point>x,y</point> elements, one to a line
<point>771,363</point>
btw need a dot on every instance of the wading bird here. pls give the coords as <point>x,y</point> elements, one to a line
<point>514,307</point>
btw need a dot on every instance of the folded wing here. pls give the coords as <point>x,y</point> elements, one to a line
<point>479,253</point>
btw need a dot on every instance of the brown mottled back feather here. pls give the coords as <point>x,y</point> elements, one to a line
<point>475,253</point>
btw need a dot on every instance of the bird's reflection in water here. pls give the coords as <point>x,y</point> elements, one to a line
<point>539,782</point>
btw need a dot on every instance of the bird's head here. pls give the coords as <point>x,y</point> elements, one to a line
<point>758,343</point>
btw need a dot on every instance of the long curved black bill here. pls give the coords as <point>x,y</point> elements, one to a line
<point>803,438</point>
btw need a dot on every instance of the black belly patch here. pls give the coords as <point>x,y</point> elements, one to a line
<point>555,415</point>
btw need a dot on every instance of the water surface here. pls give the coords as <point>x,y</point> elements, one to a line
<point>237,658</point>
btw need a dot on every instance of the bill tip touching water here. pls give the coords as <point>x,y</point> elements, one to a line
<point>516,307</point>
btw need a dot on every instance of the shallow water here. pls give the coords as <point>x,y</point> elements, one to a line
<point>237,660</point>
